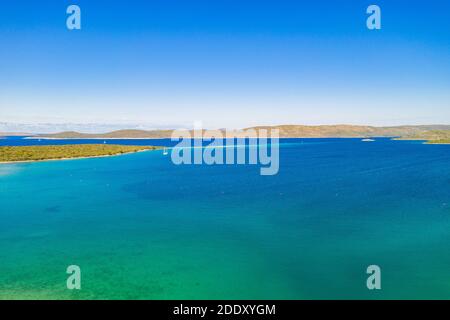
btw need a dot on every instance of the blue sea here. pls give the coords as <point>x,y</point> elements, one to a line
<point>141,227</point>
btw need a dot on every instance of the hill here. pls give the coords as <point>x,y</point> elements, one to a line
<point>119,134</point>
<point>431,136</point>
<point>286,131</point>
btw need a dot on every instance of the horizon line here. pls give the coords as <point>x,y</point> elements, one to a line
<point>25,131</point>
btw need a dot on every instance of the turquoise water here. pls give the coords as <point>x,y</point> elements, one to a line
<point>142,228</point>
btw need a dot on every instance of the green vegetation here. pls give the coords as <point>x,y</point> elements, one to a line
<point>36,153</point>
<point>441,141</point>
<point>431,136</point>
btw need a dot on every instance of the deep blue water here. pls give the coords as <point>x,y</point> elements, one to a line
<point>24,141</point>
<point>141,227</point>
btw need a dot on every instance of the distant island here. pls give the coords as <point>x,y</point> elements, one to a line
<point>13,134</point>
<point>430,133</point>
<point>59,152</point>
<point>421,132</point>
<point>431,136</point>
<point>119,134</point>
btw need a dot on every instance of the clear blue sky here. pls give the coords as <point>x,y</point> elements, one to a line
<point>226,63</point>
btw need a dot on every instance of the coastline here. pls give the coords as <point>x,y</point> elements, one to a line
<point>325,137</point>
<point>424,141</point>
<point>50,138</point>
<point>76,158</point>
<point>430,142</point>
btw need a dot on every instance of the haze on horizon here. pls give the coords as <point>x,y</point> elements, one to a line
<point>226,63</point>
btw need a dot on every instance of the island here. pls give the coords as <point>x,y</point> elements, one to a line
<point>442,141</point>
<point>285,131</point>
<point>60,152</point>
<point>430,137</point>
<point>432,134</point>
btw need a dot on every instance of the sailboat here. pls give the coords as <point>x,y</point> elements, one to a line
<point>165,152</point>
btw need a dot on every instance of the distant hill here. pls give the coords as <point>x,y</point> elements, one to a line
<point>431,135</point>
<point>136,134</point>
<point>286,131</point>
<point>14,134</point>
<point>343,131</point>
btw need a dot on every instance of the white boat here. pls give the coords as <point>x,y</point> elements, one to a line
<point>165,152</point>
<point>367,140</point>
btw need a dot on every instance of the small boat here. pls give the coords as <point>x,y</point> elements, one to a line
<point>367,140</point>
<point>165,152</point>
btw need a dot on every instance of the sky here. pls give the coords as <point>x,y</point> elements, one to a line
<point>226,63</point>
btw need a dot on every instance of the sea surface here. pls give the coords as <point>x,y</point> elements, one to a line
<point>141,227</point>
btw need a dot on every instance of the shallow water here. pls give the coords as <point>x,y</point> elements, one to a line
<point>142,228</point>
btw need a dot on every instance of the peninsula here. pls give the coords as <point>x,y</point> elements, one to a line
<point>431,136</point>
<point>59,152</point>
